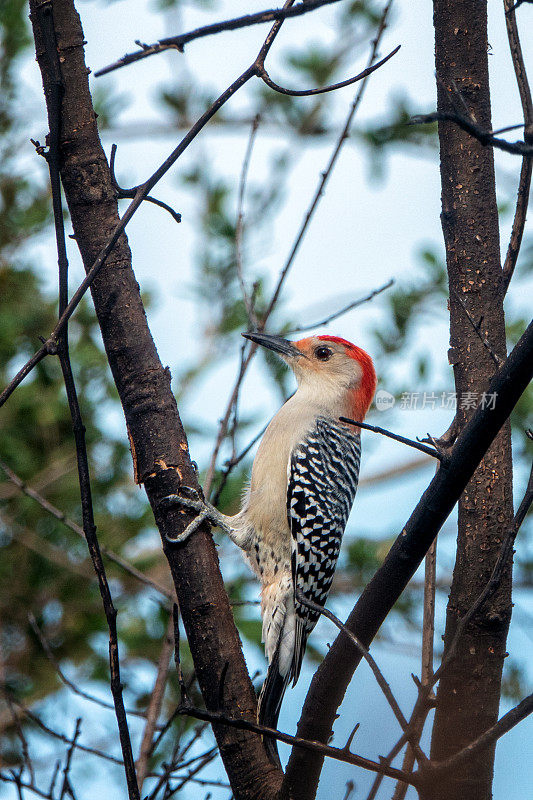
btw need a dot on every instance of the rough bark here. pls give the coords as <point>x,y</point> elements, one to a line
<point>158,442</point>
<point>469,692</point>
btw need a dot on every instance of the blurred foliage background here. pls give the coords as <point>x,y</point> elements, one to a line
<point>44,566</point>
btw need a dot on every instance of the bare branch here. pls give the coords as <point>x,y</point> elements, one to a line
<point>17,780</point>
<point>25,370</point>
<point>154,706</point>
<point>123,193</point>
<point>422,708</point>
<point>20,733</point>
<point>344,309</point>
<point>484,137</point>
<point>71,685</point>
<point>73,526</point>
<point>503,726</point>
<point>246,357</point>
<point>239,228</point>
<point>382,683</point>
<point>339,754</point>
<point>179,42</point>
<point>66,770</point>
<point>477,328</point>
<point>265,77</point>
<point>429,451</point>
<point>389,758</point>
<point>524,185</point>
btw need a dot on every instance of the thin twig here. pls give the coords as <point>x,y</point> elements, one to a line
<point>496,731</point>
<point>71,685</point>
<point>339,754</point>
<point>524,185</point>
<point>429,451</point>
<point>343,310</point>
<point>265,77</point>
<point>484,137</point>
<point>233,462</point>
<point>239,227</point>
<point>246,357</point>
<point>417,722</point>
<point>77,529</point>
<point>16,779</point>
<point>22,738</point>
<point>350,788</point>
<point>154,706</point>
<point>193,772</point>
<point>389,758</point>
<point>477,327</point>
<point>178,42</point>
<point>66,770</point>
<point>382,683</point>
<point>173,717</point>
<point>123,193</point>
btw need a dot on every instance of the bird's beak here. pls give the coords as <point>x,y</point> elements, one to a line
<point>275,343</point>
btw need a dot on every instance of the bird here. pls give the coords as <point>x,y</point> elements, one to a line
<point>295,509</point>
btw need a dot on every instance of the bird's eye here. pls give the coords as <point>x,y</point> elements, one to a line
<point>323,353</point>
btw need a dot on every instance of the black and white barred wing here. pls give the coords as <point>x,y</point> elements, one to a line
<point>324,471</point>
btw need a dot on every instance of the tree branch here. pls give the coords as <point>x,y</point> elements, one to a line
<point>265,77</point>
<point>154,706</point>
<point>337,753</point>
<point>429,451</point>
<point>524,185</point>
<point>73,526</point>
<point>483,136</point>
<point>378,675</point>
<point>503,726</point>
<point>344,309</point>
<point>179,42</point>
<point>51,65</point>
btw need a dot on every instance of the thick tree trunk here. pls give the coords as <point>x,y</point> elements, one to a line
<point>469,692</point>
<point>158,442</point>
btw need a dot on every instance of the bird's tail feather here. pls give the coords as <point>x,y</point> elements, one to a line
<point>270,704</point>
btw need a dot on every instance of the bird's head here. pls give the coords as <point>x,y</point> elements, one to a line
<point>332,370</point>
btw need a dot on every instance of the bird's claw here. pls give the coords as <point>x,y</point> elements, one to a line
<point>193,501</point>
<point>204,510</point>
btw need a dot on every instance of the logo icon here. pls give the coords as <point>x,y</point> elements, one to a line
<point>384,400</point>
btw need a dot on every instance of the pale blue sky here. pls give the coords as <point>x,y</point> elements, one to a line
<point>364,232</point>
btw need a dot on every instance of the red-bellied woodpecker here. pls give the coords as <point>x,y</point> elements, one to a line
<point>303,484</point>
